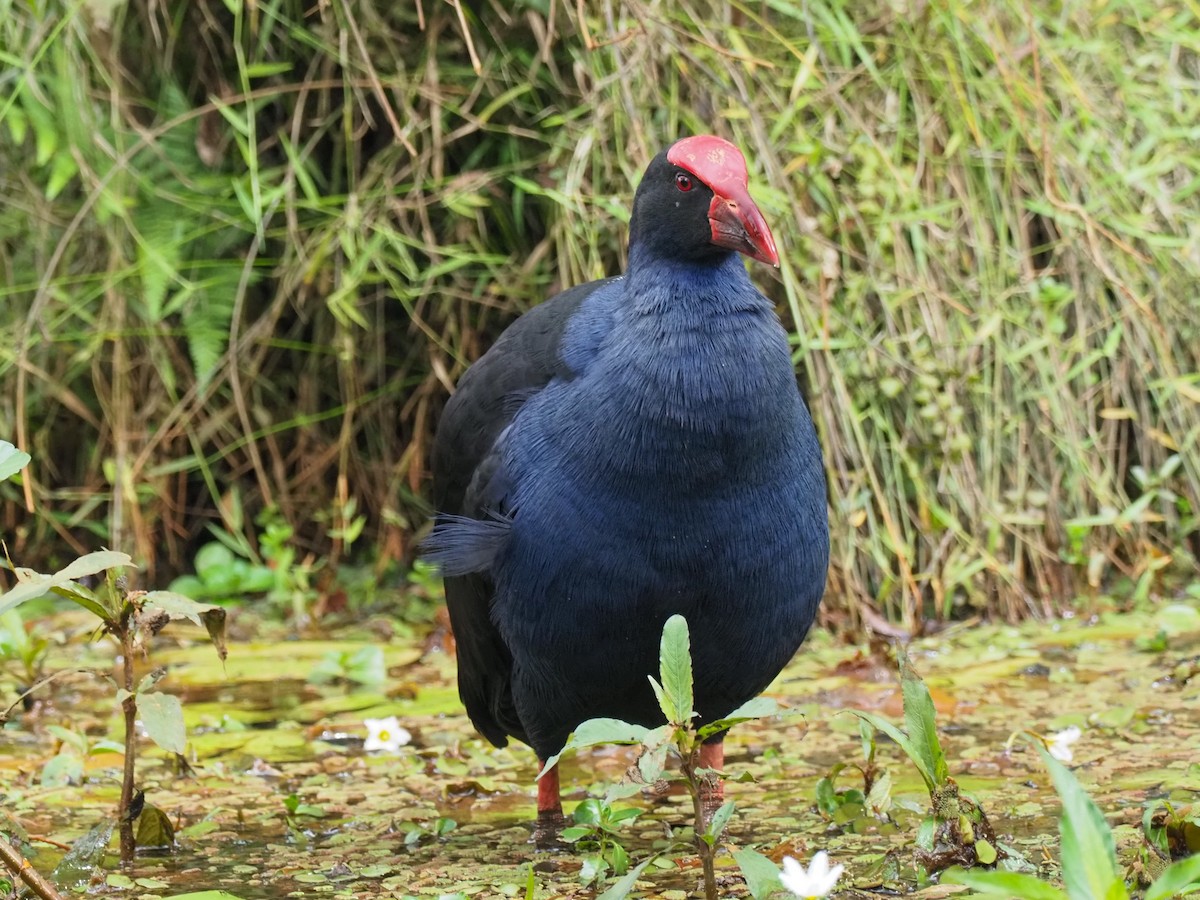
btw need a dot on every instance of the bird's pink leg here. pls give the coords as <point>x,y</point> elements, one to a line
<point>550,818</point>
<point>712,790</point>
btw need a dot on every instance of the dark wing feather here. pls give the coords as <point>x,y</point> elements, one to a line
<point>523,360</point>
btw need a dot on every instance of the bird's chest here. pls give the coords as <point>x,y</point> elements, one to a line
<point>678,457</point>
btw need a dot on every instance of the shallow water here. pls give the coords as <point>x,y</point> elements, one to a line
<point>258,733</point>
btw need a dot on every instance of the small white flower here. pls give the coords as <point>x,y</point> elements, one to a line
<point>385,734</point>
<point>817,881</point>
<point>1060,744</point>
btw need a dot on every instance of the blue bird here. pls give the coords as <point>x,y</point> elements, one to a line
<point>633,448</point>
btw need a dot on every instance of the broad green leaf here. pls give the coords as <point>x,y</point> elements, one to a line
<point>599,731</point>
<point>881,724</point>
<point>985,852</point>
<point>62,770</point>
<point>70,738</point>
<point>1004,884</point>
<point>32,584</point>
<point>1175,878</point>
<point>154,828</point>
<point>720,819</point>
<point>12,460</point>
<point>755,708</point>
<point>618,858</point>
<point>920,720</point>
<point>162,717</point>
<point>675,667</point>
<point>762,875</point>
<point>82,597</point>
<point>622,886</point>
<point>1089,855</point>
<point>588,812</point>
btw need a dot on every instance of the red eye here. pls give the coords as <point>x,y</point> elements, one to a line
<point>683,182</point>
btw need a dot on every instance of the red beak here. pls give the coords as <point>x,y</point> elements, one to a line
<point>738,225</point>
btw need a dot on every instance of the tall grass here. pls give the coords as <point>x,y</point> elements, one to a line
<point>247,249</point>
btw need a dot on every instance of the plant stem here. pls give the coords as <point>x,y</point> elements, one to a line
<point>129,706</point>
<point>703,848</point>
<point>20,867</point>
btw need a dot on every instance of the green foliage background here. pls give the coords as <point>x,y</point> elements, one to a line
<point>246,248</point>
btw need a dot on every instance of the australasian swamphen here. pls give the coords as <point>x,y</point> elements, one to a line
<point>632,448</point>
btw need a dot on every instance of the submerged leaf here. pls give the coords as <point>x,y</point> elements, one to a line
<point>85,856</point>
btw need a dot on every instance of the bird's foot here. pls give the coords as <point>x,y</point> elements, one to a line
<point>712,795</point>
<point>712,787</point>
<point>550,823</point>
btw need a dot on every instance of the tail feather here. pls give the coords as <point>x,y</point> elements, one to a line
<point>460,545</point>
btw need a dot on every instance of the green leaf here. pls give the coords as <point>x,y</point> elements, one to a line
<point>675,667</point>
<point>599,731</point>
<point>1089,855</point>
<point>1004,884</point>
<point>653,762</point>
<point>618,858</point>
<point>162,717</point>
<point>204,895</point>
<point>62,770</point>
<point>588,812</point>
<point>592,867</point>
<point>12,460</point>
<point>154,828</point>
<point>31,585</point>
<point>920,720</point>
<point>985,853</point>
<point>720,819</point>
<point>755,708</point>
<point>881,724</point>
<point>762,875</point>
<point>621,888</point>
<point>82,597</point>
<point>1174,879</point>
<point>72,739</point>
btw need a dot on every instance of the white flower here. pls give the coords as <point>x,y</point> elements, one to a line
<point>385,734</point>
<point>817,881</point>
<point>1060,744</point>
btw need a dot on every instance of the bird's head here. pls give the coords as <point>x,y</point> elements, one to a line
<point>693,204</point>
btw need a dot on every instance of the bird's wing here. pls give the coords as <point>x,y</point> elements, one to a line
<point>469,488</point>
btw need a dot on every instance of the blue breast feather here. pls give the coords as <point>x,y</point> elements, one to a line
<point>678,454</point>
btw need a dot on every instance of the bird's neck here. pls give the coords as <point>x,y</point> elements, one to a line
<point>688,289</point>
